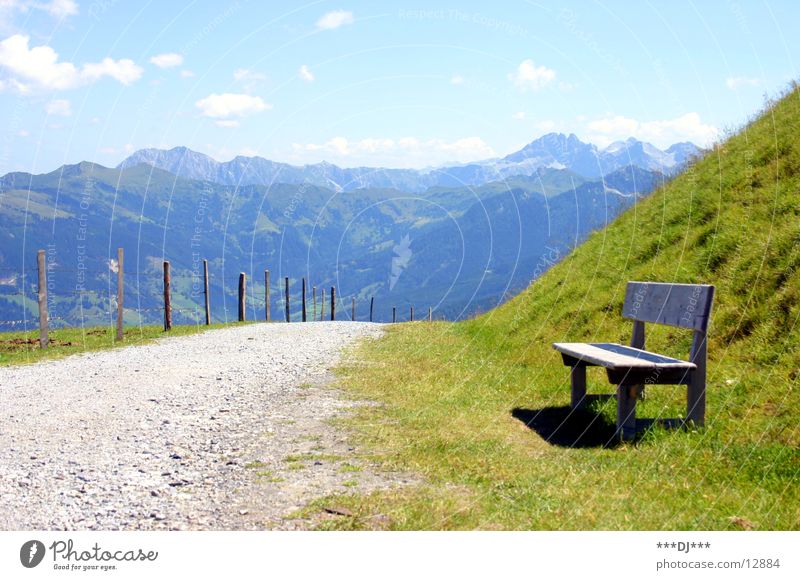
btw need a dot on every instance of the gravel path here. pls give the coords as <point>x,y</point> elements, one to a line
<point>228,429</point>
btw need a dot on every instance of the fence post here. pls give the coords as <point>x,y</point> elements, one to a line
<point>304,300</point>
<point>394,314</point>
<point>314,295</point>
<point>353,315</point>
<point>205,293</point>
<point>43,330</point>
<point>120,294</point>
<point>266,294</point>
<point>167,299</point>
<point>371,304</point>
<point>430,314</point>
<point>333,302</point>
<point>286,300</point>
<point>322,306</point>
<point>412,314</point>
<point>242,294</point>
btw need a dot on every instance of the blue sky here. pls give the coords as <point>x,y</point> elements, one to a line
<point>398,84</point>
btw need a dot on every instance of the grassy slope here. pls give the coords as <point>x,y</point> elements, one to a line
<point>23,347</point>
<point>450,390</point>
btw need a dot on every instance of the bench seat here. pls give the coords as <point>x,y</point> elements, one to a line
<point>617,356</point>
<point>626,365</point>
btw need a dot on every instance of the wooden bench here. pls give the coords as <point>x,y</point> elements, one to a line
<point>632,367</point>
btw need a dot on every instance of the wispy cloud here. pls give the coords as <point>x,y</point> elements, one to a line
<point>60,107</point>
<point>334,19</point>
<point>735,83</point>
<point>305,74</point>
<point>56,8</point>
<point>249,79</point>
<point>60,8</point>
<point>403,152</point>
<point>228,105</point>
<point>167,60</point>
<point>529,77</point>
<point>38,68</point>
<point>456,80</point>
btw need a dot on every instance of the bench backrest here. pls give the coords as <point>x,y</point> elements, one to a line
<point>682,305</point>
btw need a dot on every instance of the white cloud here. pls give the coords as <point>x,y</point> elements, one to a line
<point>229,105</point>
<point>387,152</point>
<point>125,71</point>
<point>735,83</point>
<point>661,133</point>
<point>59,107</point>
<point>186,74</point>
<point>529,77</point>
<point>519,115</point>
<point>22,133</point>
<point>31,69</point>
<point>167,60</point>
<point>457,80</point>
<point>305,74</point>
<point>335,19</point>
<point>227,123</point>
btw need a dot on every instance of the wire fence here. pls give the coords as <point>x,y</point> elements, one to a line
<point>84,296</point>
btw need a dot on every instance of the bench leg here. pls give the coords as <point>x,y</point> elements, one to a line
<point>696,402</point>
<point>696,389</point>
<point>626,412</point>
<point>578,384</point>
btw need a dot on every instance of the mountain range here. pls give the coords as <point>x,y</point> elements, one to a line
<point>554,151</point>
<point>454,247</point>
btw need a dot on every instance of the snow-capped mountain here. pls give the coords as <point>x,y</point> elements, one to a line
<point>551,151</point>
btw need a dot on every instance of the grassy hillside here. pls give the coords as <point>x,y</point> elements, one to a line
<point>478,407</point>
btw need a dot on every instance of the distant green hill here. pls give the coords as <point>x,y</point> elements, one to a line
<point>465,248</point>
<point>459,397</point>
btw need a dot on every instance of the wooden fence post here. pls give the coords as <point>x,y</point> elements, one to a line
<point>242,294</point>
<point>353,315</point>
<point>205,292</point>
<point>371,304</point>
<point>304,300</point>
<point>430,314</point>
<point>266,295</point>
<point>333,302</point>
<point>120,294</point>
<point>286,300</point>
<point>394,314</point>
<point>412,314</point>
<point>43,329</point>
<point>167,298</point>
<point>314,295</point>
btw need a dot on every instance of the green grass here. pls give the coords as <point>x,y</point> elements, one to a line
<point>23,347</point>
<point>457,398</point>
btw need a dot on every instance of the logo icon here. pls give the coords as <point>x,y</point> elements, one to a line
<point>31,553</point>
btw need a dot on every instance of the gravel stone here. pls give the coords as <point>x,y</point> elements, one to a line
<point>224,430</point>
